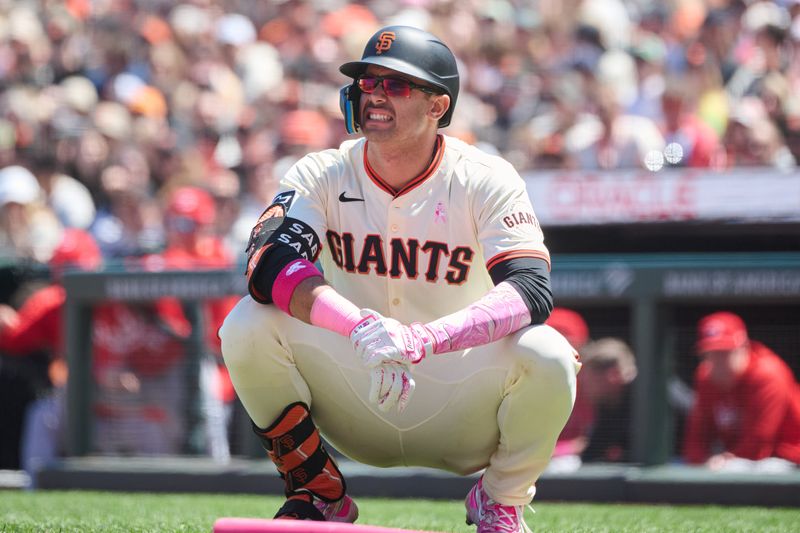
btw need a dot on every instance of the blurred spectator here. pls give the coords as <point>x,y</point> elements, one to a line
<point>29,230</point>
<point>261,184</point>
<point>572,439</point>
<point>571,325</point>
<point>609,368</point>
<point>682,127</point>
<point>193,244</point>
<point>131,351</point>
<point>765,27</point>
<point>600,430</point>
<point>719,35</point>
<point>747,404</point>
<point>69,199</point>
<point>129,223</point>
<point>190,219</point>
<point>610,139</point>
<point>648,52</point>
<point>35,330</point>
<point>751,139</point>
<point>225,187</point>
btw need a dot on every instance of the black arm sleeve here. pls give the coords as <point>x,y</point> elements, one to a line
<point>531,277</point>
<point>264,278</point>
<point>275,241</point>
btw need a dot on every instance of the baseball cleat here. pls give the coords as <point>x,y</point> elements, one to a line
<point>493,517</point>
<point>299,508</point>
<point>344,510</point>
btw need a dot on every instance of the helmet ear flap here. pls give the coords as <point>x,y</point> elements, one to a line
<point>348,102</point>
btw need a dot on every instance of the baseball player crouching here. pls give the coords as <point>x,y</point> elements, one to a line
<point>423,343</point>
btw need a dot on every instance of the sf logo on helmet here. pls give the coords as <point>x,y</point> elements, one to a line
<point>385,41</point>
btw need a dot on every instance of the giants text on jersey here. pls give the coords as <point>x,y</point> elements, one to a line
<point>465,213</point>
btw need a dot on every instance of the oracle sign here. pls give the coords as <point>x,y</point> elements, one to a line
<point>625,197</point>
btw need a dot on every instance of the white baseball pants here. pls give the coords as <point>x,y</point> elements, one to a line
<point>500,406</point>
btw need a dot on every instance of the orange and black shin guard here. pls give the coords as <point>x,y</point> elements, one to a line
<point>294,445</point>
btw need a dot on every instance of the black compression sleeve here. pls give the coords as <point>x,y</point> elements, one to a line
<point>272,264</point>
<point>531,277</point>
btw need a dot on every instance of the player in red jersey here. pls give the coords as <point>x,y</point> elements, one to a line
<point>748,401</point>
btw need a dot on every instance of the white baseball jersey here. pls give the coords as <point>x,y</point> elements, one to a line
<point>416,255</point>
<point>424,251</point>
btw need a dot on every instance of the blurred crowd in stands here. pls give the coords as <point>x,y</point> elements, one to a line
<point>110,110</point>
<point>112,104</point>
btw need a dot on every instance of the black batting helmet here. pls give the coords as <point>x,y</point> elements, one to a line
<point>408,50</point>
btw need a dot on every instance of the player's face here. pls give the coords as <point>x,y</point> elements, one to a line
<point>394,105</point>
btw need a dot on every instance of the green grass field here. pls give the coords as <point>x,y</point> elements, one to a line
<point>93,512</point>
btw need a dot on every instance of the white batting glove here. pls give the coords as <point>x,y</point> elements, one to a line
<point>378,339</point>
<point>391,385</point>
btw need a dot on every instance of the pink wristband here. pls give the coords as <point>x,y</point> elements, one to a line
<point>288,280</point>
<point>334,312</point>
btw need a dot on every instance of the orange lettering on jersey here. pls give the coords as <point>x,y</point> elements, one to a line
<point>385,41</point>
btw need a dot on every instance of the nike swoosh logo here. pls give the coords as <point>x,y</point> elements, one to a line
<point>343,198</point>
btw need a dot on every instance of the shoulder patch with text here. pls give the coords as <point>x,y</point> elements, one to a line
<point>520,216</point>
<point>285,198</point>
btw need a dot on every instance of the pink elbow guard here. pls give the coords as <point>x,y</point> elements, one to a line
<point>288,279</point>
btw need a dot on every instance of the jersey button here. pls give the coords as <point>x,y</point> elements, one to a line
<point>396,301</point>
<point>395,227</point>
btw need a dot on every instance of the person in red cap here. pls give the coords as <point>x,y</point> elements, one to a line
<point>570,324</point>
<point>193,244</point>
<point>747,403</point>
<point>29,332</point>
<point>127,347</point>
<point>36,326</point>
<point>597,429</point>
<point>573,438</point>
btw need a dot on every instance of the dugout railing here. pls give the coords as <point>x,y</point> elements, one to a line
<point>650,300</point>
<point>87,289</point>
